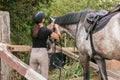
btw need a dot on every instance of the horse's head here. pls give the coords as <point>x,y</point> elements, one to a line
<point>62,28</point>
<point>52,21</point>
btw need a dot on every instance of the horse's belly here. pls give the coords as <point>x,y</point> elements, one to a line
<point>108,49</point>
<point>114,54</point>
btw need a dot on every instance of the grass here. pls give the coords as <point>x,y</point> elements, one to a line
<point>72,70</point>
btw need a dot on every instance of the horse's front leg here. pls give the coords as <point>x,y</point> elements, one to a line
<point>85,65</point>
<point>102,67</point>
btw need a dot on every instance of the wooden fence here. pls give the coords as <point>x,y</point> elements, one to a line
<point>17,64</point>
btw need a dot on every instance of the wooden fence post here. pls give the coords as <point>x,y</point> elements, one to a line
<point>4,37</point>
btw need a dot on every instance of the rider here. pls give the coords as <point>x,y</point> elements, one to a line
<point>39,34</point>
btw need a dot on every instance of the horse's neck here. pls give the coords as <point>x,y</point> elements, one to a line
<point>71,29</point>
<point>75,30</point>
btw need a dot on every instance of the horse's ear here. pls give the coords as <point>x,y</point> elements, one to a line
<point>51,19</point>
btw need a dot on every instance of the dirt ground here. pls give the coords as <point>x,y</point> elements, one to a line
<point>81,78</point>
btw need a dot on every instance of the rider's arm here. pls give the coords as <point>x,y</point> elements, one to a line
<point>55,35</point>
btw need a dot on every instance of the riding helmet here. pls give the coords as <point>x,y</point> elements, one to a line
<point>38,16</point>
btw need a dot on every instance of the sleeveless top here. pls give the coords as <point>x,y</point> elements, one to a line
<point>41,40</point>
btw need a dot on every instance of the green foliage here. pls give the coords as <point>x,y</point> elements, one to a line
<point>74,71</point>
<point>68,72</point>
<point>60,7</point>
<point>21,18</point>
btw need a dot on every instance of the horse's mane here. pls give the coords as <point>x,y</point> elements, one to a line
<point>72,18</point>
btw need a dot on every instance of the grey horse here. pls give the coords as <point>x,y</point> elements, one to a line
<point>106,40</point>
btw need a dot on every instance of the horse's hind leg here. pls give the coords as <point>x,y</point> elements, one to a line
<point>102,67</point>
<point>85,65</point>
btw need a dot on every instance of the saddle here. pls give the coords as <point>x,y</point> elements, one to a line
<point>97,20</point>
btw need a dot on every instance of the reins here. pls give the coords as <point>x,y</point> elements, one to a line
<point>75,36</point>
<point>61,62</point>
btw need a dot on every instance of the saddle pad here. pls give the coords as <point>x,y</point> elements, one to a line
<point>101,24</point>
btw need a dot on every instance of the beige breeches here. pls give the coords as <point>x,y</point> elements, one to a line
<point>39,58</point>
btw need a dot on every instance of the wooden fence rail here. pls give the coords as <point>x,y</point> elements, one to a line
<point>18,65</point>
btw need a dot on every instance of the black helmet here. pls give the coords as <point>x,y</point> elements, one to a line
<point>38,16</point>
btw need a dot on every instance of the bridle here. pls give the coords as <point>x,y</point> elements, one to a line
<point>61,62</point>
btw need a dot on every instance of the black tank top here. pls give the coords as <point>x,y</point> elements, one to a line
<point>41,40</point>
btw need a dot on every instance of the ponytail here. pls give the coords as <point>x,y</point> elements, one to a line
<point>35,31</point>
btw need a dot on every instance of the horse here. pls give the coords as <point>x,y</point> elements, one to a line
<point>105,39</point>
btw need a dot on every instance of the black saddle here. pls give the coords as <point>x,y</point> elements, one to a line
<point>91,17</point>
<point>95,21</point>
